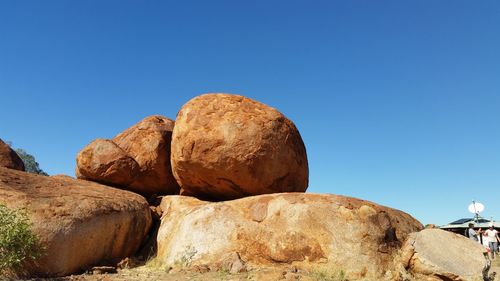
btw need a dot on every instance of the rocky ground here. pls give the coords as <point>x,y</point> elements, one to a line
<point>496,267</point>
<point>145,273</point>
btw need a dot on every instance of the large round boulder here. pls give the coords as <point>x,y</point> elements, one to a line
<point>228,146</point>
<point>148,143</point>
<point>9,158</point>
<point>79,223</point>
<point>105,162</point>
<point>305,230</point>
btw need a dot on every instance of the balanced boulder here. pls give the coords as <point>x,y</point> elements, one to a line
<point>138,159</point>
<point>228,146</point>
<point>105,162</point>
<point>9,158</point>
<point>303,230</point>
<point>436,255</point>
<point>79,223</point>
<point>148,142</point>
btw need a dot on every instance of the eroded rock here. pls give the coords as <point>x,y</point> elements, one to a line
<point>9,158</point>
<point>435,255</point>
<point>105,162</point>
<point>148,143</point>
<point>228,146</point>
<point>354,235</point>
<point>79,223</point>
<point>138,159</point>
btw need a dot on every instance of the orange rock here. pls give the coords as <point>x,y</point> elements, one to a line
<point>148,142</point>
<point>105,162</point>
<point>9,158</point>
<point>228,146</point>
<point>304,230</point>
<point>80,223</point>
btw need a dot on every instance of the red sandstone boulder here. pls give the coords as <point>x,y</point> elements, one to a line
<point>148,142</point>
<point>9,158</point>
<point>79,223</point>
<point>228,146</point>
<point>105,162</point>
<point>138,159</point>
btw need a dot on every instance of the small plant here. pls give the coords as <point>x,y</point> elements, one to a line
<point>155,263</point>
<point>18,244</point>
<point>224,272</point>
<point>326,274</point>
<point>30,164</point>
<point>187,256</point>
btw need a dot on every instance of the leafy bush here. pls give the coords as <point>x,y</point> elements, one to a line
<point>30,164</point>
<point>18,244</point>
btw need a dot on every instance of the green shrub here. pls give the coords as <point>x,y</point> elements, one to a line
<point>328,274</point>
<point>18,244</point>
<point>30,164</point>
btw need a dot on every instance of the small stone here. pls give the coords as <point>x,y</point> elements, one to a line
<point>103,269</point>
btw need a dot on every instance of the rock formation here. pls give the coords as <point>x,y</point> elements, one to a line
<point>353,235</point>
<point>138,159</point>
<point>436,255</point>
<point>222,147</point>
<point>148,142</point>
<point>9,158</point>
<point>228,146</point>
<point>105,162</point>
<point>80,223</point>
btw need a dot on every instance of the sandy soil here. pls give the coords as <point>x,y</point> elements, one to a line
<point>152,272</point>
<point>145,273</point>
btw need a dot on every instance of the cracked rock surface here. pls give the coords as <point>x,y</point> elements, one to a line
<point>299,229</point>
<point>435,254</point>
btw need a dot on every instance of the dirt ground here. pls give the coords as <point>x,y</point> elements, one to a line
<point>145,273</point>
<point>495,267</point>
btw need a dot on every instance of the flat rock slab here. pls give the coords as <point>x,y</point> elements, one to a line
<point>305,230</point>
<point>435,254</point>
<point>79,222</point>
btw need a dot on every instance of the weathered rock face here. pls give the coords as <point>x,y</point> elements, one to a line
<point>434,254</point>
<point>105,162</point>
<point>9,158</point>
<point>148,142</point>
<point>353,235</point>
<point>79,222</point>
<point>228,146</point>
<point>138,159</point>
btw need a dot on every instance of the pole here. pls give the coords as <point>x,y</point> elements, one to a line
<point>476,218</point>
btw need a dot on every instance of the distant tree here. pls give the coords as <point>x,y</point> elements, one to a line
<point>30,164</point>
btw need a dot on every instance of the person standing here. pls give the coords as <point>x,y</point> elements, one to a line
<point>471,233</point>
<point>492,235</point>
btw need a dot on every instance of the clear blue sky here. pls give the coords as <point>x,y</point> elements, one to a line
<point>398,102</point>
